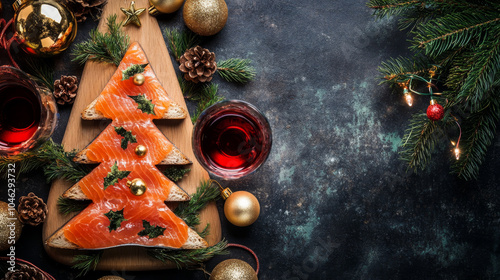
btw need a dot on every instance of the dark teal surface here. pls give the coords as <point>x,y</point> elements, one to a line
<point>336,202</point>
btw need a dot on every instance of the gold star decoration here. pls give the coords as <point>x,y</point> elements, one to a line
<point>132,14</point>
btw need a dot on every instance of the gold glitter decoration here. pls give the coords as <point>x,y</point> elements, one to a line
<point>205,17</point>
<point>132,14</point>
<point>111,277</point>
<point>233,269</point>
<point>241,208</point>
<point>164,6</point>
<point>8,221</point>
<point>44,27</point>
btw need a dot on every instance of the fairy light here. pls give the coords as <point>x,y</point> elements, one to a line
<point>408,98</point>
<point>457,149</point>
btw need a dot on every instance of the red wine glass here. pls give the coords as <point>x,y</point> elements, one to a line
<point>231,139</point>
<point>28,112</point>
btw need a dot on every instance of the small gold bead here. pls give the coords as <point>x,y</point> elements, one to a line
<point>137,186</point>
<point>139,79</point>
<point>141,150</point>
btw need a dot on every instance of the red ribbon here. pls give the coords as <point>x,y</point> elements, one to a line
<point>249,250</point>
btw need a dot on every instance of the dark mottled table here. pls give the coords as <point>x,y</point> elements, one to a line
<point>336,202</point>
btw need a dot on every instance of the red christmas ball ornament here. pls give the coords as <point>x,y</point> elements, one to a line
<point>435,112</point>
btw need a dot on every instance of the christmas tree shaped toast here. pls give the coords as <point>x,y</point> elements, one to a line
<point>127,191</point>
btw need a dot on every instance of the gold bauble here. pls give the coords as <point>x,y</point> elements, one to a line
<point>141,150</point>
<point>205,17</point>
<point>0,6</point>
<point>9,223</point>
<point>111,277</point>
<point>44,27</point>
<point>233,269</point>
<point>139,79</point>
<point>137,186</point>
<point>241,208</point>
<point>164,6</point>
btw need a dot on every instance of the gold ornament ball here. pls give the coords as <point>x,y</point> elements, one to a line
<point>137,186</point>
<point>44,27</point>
<point>111,277</point>
<point>164,6</point>
<point>241,208</point>
<point>139,79</point>
<point>205,17</point>
<point>9,226</point>
<point>141,150</point>
<point>233,269</point>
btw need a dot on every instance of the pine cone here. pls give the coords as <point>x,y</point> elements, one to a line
<point>81,8</point>
<point>25,272</point>
<point>198,64</point>
<point>65,89</point>
<point>32,210</point>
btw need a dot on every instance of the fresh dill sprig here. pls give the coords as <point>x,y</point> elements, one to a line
<point>180,41</point>
<point>189,258</point>
<point>67,206</point>
<point>85,263</point>
<point>207,97</point>
<point>236,70</point>
<point>107,47</point>
<point>189,210</point>
<point>175,173</point>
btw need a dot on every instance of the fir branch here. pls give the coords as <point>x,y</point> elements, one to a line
<point>67,206</point>
<point>189,89</point>
<point>236,70</point>
<point>205,232</point>
<point>396,70</point>
<point>85,263</point>
<point>180,41</point>
<point>207,98</point>
<point>189,210</point>
<point>419,141</point>
<point>42,70</point>
<point>189,258</point>
<point>107,47</point>
<point>175,173</point>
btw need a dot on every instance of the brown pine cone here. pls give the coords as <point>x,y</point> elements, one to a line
<point>32,210</point>
<point>198,64</point>
<point>25,272</point>
<point>82,8</point>
<point>65,89</point>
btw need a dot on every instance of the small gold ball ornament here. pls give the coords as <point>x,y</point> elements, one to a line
<point>137,186</point>
<point>241,208</point>
<point>139,79</point>
<point>164,6</point>
<point>10,226</point>
<point>205,17</point>
<point>141,150</point>
<point>43,27</point>
<point>111,277</point>
<point>233,269</point>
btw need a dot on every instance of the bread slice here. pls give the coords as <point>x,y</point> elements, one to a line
<point>76,193</point>
<point>175,157</point>
<point>58,240</point>
<point>174,112</point>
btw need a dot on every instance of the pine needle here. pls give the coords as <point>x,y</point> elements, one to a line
<point>206,98</point>
<point>189,210</point>
<point>236,70</point>
<point>107,47</point>
<point>42,70</point>
<point>67,206</point>
<point>180,41</point>
<point>189,258</point>
<point>85,263</point>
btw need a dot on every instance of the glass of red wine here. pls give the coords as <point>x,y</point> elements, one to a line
<point>231,139</point>
<point>28,112</point>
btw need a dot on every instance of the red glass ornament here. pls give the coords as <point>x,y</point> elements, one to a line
<point>435,112</point>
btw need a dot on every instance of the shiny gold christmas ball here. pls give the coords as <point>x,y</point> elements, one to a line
<point>10,226</point>
<point>233,269</point>
<point>44,27</point>
<point>205,17</point>
<point>111,277</point>
<point>141,150</point>
<point>139,79</point>
<point>0,7</point>
<point>137,186</point>
<point>164,6</point>
<point>241,208</point>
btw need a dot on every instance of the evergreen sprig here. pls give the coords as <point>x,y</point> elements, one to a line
<point>189,258</point>
<point>42,70</point>
<point>85,263</point>
<point>180,41</point>
<point>459,41</point>
<point>236,70</point>
<point>189,210</point>
<point>206,98</point>
<point>107,47</point>
<point>67,206</point>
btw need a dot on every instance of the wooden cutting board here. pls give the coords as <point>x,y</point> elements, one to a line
<point>80,133</point>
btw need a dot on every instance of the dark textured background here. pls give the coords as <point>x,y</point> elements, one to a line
<point>336,201</point>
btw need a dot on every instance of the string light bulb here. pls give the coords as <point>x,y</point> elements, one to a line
<point>457,153</point>
<point>408,97</point>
